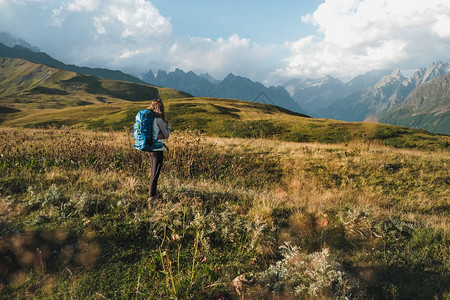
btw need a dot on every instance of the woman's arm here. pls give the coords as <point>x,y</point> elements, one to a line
<point>165,130</point>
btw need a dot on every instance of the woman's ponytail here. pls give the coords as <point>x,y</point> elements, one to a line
<point>157,107</point>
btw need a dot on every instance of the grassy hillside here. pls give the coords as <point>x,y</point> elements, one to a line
<point>230,118</point>
<point>28,86</point>
<point>260,218</point>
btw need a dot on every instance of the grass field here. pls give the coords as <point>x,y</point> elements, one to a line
<point>256,217</point>
<point>257,202</point>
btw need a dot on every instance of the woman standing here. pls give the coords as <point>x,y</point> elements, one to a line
<point>161,131</point>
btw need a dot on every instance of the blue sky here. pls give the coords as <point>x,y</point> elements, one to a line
<point>266,40</point>
<point>264,22</point>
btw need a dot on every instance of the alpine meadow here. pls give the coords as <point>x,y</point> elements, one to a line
<point>258,202</point>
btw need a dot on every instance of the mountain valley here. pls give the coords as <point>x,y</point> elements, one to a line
<point>377,96</point>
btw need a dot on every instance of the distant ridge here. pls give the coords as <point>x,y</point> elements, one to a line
<point>43,58</point>
<point>231,87</point>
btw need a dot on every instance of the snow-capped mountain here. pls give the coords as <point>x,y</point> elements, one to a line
<point>426,107</point>
<point>314,94</point>
<point>385,96</point>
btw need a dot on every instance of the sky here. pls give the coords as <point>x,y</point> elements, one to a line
<point>265,40</point>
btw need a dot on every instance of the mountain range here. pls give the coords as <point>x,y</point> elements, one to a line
<point>373,96</point>
<point>420,101</point>
<point>307,96</point>
<point>231,87</point>
<point>392,93</point>
<point>316,94</point>
<point>426,107</point>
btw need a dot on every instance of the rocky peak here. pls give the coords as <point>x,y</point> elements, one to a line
<point>230,76</point>
<point>209,78</point>
<point>161,75</point>
<point>179,72</point>
<point>149,77</point>
<point>365,81</point>
<point>415,80</point>
<point>393,79</point>
<point>437,69</point>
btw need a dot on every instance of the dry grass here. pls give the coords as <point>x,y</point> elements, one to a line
<point>374,207</point>
<point>315,175</point>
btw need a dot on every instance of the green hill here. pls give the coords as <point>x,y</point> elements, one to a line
<point>230,118</point>
<point>28,88</point>
<point>37,96</point>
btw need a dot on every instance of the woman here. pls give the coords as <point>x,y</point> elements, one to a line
<point>161,131</point>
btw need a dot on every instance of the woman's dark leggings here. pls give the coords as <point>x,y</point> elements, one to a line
<point>156,160</point>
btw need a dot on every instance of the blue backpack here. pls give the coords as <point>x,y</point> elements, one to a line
<point>143,131</point>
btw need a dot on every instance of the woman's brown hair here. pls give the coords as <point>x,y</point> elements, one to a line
<point>157,107</point>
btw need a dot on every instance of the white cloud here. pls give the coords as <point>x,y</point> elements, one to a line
<point>83,5</point>
<point>355,36</point>
<point>130,35</point>
<point>442,26</point>
<point>99,33</point>
<point>220,57</point>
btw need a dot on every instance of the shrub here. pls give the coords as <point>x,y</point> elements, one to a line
<point>307,275</point>
<point>53,197</point>
<point>89,205</point>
